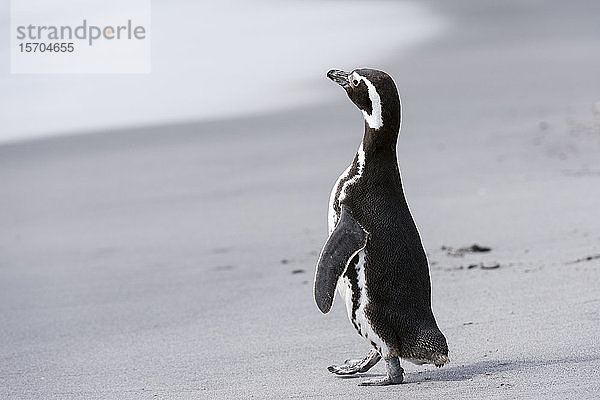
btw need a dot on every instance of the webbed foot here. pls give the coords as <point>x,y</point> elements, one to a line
<point>350,367</point>
<point>395,374</point>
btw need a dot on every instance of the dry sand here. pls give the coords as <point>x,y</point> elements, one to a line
<point>177,261</point>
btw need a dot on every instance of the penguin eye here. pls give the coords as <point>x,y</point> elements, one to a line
<point>354,81</point>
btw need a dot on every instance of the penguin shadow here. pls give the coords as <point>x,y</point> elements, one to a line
<point>489,367</point>
<point>481,368</point>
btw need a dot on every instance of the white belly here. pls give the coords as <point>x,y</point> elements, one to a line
<point>361,322</point>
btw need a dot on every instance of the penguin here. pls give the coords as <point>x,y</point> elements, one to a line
<point>374,255</point>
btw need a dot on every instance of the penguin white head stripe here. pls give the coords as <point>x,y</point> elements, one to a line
<point>374,119</point>
<point>372,91</point>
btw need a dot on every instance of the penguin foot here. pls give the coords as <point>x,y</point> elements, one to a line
<point>395,374</point>
<point>350,367</point>
<point>381,382</point>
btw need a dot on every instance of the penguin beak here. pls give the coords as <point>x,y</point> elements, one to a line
<point>339,77</point>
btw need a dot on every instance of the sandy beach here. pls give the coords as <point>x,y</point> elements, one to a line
<point>177,261</point>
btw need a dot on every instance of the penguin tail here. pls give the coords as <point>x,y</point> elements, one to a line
<point>439,359</point>
<point>422,356</point>
<point>428,346</point>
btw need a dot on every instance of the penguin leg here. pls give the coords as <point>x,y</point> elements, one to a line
<point>395,374</point>
<point>350,367</point>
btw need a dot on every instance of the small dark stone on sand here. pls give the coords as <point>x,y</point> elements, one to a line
<point>285,261</point>
<point>490,266</point>
<point>298,271</point>
<point>584,259</point>
<point>484,266</point>
<point>479,249</point>
<point>461,251</point>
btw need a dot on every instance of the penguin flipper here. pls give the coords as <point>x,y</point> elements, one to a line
<point>347,239</point>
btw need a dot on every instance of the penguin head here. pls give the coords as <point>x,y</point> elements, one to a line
<point>374,93</point>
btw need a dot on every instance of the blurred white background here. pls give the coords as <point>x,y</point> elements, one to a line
<point>239,58</point>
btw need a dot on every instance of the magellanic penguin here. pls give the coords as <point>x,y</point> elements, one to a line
<point>374,255</point>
